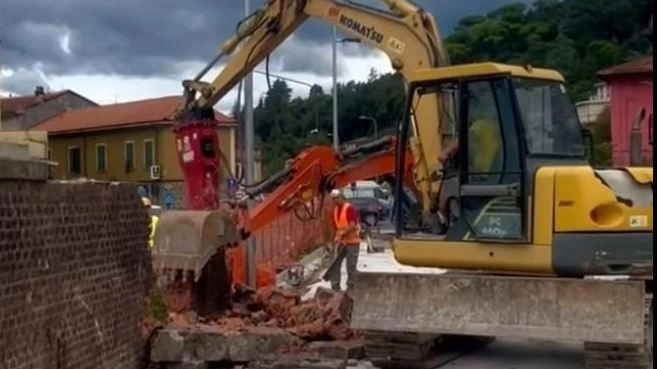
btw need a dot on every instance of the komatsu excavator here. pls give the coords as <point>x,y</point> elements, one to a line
<point>531,240</point>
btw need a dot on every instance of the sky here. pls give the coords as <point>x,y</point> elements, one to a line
<point>122,50</point>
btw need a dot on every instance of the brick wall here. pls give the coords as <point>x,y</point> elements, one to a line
<point>74,273</point>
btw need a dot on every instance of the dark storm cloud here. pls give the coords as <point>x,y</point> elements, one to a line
<point>144,37</point>
<point>152,37</point>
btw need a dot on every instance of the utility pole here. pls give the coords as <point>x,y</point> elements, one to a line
<point>334,46</point>
<point>249,133</point>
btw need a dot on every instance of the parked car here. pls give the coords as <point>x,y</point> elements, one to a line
<point>370,200</point>
<point>370,210</point>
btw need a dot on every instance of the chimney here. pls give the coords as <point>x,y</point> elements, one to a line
<point>39,92</point>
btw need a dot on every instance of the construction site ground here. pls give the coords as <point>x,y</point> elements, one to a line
<point>498,354</point>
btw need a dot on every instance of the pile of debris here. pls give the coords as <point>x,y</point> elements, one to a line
<point>324,317</point>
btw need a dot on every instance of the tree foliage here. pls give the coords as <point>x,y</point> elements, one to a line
<point>576,37</point>
<point>602,140</point>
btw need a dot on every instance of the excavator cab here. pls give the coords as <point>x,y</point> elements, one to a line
<point>518,194</point>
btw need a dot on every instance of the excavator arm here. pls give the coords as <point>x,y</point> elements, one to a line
<point>312,173</point>
<point>405,33</point>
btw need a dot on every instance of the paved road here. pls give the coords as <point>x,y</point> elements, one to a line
<point>514,354</point>
<point>522,354</point>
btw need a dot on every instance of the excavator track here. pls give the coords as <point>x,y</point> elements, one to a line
<point>623,356</point>
<point>410,350</point>
<point>399,349</point>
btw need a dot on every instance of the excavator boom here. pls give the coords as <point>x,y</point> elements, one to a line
<point>406,34</point>
<point>315,171</point>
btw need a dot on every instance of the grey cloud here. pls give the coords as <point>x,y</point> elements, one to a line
<point>23,82</point>
<point>145,37</point>
<point>305,56</point>
<point>152,37</point>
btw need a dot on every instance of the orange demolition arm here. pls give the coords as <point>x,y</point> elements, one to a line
<point>316,170</point>
<point>305,176</point>
<point>378,164</point>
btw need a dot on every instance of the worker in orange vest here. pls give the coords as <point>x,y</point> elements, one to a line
<point>347,239</point>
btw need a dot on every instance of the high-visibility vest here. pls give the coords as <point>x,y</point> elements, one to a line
<point>151,236</point>
<point>341,223</point>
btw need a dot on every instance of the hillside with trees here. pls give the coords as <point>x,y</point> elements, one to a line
<point>576,37</point>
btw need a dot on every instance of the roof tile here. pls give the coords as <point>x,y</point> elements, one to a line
<point>122,115</point>
<point>639,65</point>
<point>14,105</point>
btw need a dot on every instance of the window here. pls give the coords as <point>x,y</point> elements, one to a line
<point>101,157</point>
<point>149,154</point>
<point>129,155</point>
<point>74,160</point>
<point>485,145</point>
<point>550,118</point>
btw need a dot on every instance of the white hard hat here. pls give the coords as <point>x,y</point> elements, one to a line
<point>335,192</point>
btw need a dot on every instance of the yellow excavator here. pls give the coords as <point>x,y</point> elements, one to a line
<point>521,236</point>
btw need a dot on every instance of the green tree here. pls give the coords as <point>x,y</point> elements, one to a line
<point>602,140</point>
<point>576,37</point>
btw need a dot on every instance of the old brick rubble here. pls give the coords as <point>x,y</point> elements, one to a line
<point>324,317</point>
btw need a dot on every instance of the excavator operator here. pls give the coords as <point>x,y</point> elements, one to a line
<point>484,146</point>
<point>347,239</point>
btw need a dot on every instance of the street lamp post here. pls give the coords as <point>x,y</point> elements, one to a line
<point>334,89</point>
<point>249,135</point>
<point>334,43</point>
<point>376,125</point>
<point>312,101</point>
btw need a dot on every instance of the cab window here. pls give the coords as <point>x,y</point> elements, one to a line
<point>549,118</point>
<point>485,148</point>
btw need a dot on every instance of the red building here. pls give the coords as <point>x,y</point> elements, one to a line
<point>631,91</point>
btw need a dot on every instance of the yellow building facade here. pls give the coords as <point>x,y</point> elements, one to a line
<point>129,142</point>
<point>140,154</point>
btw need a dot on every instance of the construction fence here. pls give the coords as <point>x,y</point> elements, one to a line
<point>284,242</point>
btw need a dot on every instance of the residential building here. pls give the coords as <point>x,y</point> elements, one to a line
<point>631,91</point>
<point>239,166</point>
<point>589,110</point>
<point>130,141</point>
<point>24,112</point>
